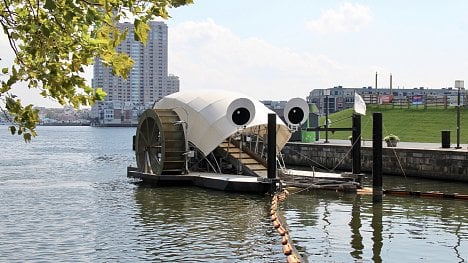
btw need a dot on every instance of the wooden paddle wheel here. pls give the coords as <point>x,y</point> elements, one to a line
<point>160,144</point>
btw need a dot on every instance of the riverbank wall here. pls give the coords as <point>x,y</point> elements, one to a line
<point>442,164</point>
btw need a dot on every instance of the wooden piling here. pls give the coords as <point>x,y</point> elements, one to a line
<point>271,151</point>
<point>377,158</point>
<point>356,142</point>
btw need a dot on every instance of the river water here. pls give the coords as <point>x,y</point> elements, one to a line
<point>65,198</point>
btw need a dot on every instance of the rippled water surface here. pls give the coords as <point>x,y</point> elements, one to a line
<point>65,198</point>
<point>332,227</point>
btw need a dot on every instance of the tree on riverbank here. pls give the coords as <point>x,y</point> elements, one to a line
<point>53,40</point>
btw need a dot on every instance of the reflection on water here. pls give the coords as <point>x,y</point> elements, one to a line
<point>355,224</point>
<point>192,224</point>
<point>65,198</point>
<point>347,228</point>
<point>377,232</point>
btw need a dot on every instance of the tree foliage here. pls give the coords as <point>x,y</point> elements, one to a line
<point>53,40</point>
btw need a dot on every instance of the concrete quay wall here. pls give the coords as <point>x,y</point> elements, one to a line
<point>442,164</point>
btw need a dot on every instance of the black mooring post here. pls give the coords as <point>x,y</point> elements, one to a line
<point>377,158</point>
<point>271,150</point>
<point>458,121</point>
<point>356,140</point>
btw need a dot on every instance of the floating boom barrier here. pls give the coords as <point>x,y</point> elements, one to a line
<point>279,224</point>
<point>430,194</point>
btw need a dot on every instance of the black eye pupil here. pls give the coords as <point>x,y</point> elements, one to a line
<point>240,116</point>
<point>295,115</point>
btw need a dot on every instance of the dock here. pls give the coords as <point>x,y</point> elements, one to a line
<point>320,180</point>
<point>222,182</point>
<point>250,184</point>
<point>229,143</point>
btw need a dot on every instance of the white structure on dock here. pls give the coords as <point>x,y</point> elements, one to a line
<point>206,114</point>
<point>188,134</point>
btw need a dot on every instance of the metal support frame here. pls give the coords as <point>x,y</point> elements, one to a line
<point>326,119</point>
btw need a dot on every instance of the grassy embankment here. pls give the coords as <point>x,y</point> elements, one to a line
<point>411,125</point>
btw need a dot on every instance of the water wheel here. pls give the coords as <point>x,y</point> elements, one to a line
<point>160,143</point>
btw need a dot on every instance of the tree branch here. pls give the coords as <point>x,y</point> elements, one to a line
<point>7,23</point>
<point>31,8</point>
<point>91,3</point>
<point>5,112</point>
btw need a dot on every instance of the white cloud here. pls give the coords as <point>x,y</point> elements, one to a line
<point>7,56</point>
<point>206,55</point>
<point>347,17</point>
<point>20,89</point>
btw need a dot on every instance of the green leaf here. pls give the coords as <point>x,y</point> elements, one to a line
<point>121,64</point>
<point>53,41</point>
<point>27,137</point>
<point>141,31</point>
<point>12,130</point>
<point>88,89</point>
<point>100,94</point>
<point>50,4</point>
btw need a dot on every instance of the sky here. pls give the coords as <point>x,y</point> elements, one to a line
<point>277,50</point>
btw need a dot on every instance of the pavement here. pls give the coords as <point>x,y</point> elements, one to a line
<point>406,145</point>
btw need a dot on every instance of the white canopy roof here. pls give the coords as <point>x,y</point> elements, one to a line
<point>204,111</point>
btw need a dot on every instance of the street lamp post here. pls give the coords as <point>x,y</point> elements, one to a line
<point>458,85</point>
<point>327,93</point>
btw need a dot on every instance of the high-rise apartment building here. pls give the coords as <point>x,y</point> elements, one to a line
<point>148,80</point>
<point>172,84</point>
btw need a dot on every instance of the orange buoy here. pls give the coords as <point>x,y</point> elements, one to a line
<point>272,212</point>
<point>273,217</point>
<point>276,223</point>
<point>458,196</point>
<point>281,231</point>
<point>293,258</point>
<point>284,240</point>
<point>287,249</point>
<point>398,192</point>
<point>432,194</point>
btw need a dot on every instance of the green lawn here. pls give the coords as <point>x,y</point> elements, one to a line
<point>411,125</point>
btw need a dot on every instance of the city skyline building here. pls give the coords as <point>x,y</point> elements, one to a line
<point>341,98</point>
<point>147,82</point>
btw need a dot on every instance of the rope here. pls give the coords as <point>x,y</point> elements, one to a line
<point>342,159</point>
<point>342,119</point>
<point>398,160</point>
<point>303,189</point>
<point>394,151</point>
<point>322,165</point>
<point>314,162</point>
<point>336,121</point>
